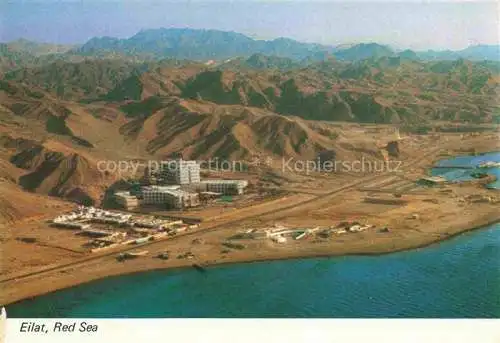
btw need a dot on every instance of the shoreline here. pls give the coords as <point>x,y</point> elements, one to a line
<point>68,275</point>
<point>266,259</point>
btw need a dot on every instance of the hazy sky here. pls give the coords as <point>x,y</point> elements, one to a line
<point>401,24</point>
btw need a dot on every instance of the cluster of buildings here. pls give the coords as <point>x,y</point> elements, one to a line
<point>177,184</point>
<point>280,234</point>
<point>354,227</point>
<point>81,218</point>
<point>171,196</point>
<point>113,228</point>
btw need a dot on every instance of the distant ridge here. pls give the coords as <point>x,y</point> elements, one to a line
<point>364,51</point>
<point>205,45</point>
<point>198,44</point>
<point>37,48</point>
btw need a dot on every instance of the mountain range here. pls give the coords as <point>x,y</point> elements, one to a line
<point>203,45</point>
<point>205,94</point>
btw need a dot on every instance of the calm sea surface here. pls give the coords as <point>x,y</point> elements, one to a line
<point>458,175</point>
<point>459,277</point>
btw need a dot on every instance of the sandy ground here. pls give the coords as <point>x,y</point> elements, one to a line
<point>33,269</point>
<point>435,222</point>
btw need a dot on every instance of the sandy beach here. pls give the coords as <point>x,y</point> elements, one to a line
<point>209,252</point>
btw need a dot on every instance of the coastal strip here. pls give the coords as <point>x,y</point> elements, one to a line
<point>108,267</point>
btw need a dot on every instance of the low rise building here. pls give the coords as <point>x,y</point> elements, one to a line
<point>226,187</point>
<point>432,181</point>
<point>126,200</point>
<point>70,225</point>
<point>155,195</point>
<point>170,196</point>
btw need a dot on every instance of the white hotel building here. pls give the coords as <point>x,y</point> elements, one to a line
<point>180,172</point>
<point>170,196</point>
<point>226,187</point>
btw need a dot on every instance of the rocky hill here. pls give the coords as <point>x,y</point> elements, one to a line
<point>214,45</point>
<point>58,119</point>
<point>382,90</point>
<point>198,45</point>
<point>220,45</point>
<point>88,79</point>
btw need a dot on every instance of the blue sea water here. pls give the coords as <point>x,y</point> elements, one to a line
<point>457,175</point>
<point>457,278</point>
